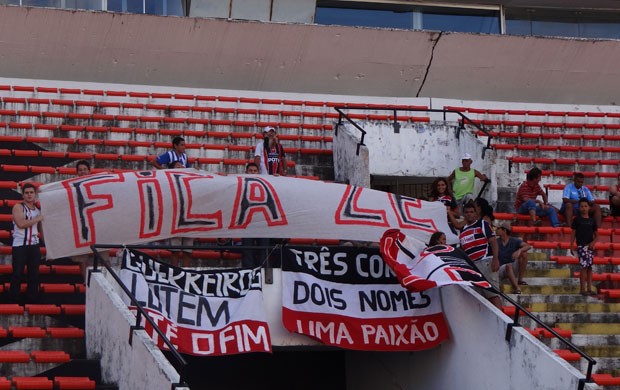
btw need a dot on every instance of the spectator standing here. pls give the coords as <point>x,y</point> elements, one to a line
<point>511,249</point>
<point>82,168</point>
<point>584,231</point>
<point>463,180</point>
<point>269,154</point>
<point>172,157</point>
<point>572,195</point>
<point>253,258</point>
<point>527,202</point>
<point>26,251</point>
<point>480,243</point>
<point>614,199</point>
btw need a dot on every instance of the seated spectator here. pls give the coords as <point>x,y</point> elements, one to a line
<point>82,168</point>
<point>614,199</point>
<point>571,195</point>
<point>438,238</point>
<point>511,249</point>
<point>527,202</point>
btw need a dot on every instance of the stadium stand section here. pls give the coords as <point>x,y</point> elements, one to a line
<point>46,127</point>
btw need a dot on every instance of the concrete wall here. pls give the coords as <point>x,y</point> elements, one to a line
<point>54,44</point>
<point>476,357</point>
<point>418,150</point>
<point>350,167</point>
<point>140,365</point>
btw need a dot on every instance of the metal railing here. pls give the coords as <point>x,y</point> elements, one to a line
<point>141,313</point>
<point>463,120</point>
<point>183,364</point>
<point>515,324</point>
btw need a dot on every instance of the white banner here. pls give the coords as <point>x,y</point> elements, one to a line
<point>349,298</point>
<point>204,313</point>
<point>139,207</point>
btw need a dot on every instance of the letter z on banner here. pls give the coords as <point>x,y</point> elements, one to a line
<point>349,298</point>
<point>215,312</point>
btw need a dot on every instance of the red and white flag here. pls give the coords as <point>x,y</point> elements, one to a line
<point>204,313</point>
<point>419,268</point>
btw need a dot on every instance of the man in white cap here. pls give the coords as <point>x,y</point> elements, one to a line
<point>462,180</point>
<point>269,154</point>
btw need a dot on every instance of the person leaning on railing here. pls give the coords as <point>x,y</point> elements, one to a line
<point>462,180</point>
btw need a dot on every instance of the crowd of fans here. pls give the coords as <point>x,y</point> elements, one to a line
<point>269,159</point>
<point>497,253</point>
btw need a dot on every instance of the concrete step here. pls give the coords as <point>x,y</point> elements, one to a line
<point>533,268</point>
<point>75,348</point>
<point>577,307</point>
<point>552,318</point>
<point>550,287</point>
<point>604,365</point>
<point>573,297</point>
<point>549,282</point>
<point>550,272</point>
<point>591,328</point>
<point>586,341</point>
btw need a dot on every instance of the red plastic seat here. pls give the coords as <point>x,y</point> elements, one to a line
<point>33,382</point>
<point>606,380</point>
<point>50,356</point>
<point>41,309</point>
<point>65,332</point>
<point>72,309</point>
<point>27,332</point>
<point>14,357</point>
<point>568,355</point>
<point>11,308</point>
<point>74,383</point>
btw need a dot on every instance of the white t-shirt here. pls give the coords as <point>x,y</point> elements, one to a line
<point>29,235</point>
<point>258,152</point>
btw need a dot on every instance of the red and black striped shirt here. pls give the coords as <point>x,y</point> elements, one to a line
<point>474,239</point>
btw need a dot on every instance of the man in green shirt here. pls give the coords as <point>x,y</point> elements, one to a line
<point>462,180</point>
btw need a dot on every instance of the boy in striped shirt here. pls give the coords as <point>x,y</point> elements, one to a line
<point>479,242</point>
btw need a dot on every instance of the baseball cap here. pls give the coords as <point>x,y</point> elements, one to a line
<point>268,129</point>
<point>504,225</point>
<point>466,156</point>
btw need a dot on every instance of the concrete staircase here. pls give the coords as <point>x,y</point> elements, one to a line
<point>42,345</point>
<point>591,323</point>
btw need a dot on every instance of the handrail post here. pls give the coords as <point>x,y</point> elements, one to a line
<point>396,125</point>
<point>515,324</point>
